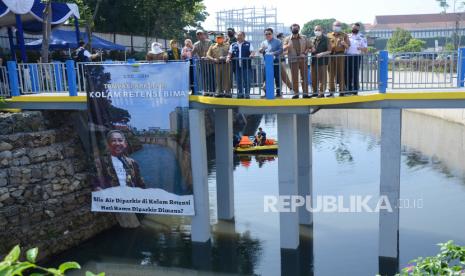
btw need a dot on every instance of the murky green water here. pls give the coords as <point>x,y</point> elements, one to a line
<point>346,162</point>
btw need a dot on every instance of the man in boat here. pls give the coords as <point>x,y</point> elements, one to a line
<point>260,138</point>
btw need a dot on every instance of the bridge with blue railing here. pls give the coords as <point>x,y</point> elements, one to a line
<point>387,82</point>
<point>425,79</point>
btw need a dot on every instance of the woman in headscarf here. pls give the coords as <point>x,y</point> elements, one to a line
<point>187,49</point>
<point>156,53</point>
<point>174,53</point>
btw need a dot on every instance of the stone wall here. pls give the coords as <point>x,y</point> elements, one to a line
<point>44,191</point>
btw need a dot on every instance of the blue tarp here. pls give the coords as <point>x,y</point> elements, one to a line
<point>61,39</point>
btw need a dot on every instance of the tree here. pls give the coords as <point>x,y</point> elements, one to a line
<point>88,16</point>
<point>414,45</point>
<point>326,24</point>
<point>449,47</point>
<point>456,7</point>
<point>400,42</point>
<point>160,18</point>
<point>46,29</point>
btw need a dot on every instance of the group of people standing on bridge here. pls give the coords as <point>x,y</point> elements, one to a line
<point>333,59</point>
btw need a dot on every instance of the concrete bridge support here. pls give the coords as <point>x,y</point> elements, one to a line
<point>224,163</point>
<point>391,129</point>
<point>304,159</point>
<point>201,220</point>
<point>287,170</point>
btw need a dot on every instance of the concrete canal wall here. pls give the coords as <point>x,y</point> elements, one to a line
<point>441,139</point>
<point>452,115</point>
<point>44,191</point>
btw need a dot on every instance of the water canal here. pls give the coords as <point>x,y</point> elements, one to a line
<point>346,156</point>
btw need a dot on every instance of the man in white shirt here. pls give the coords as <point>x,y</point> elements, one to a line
<point>83,55</point>
<point>358,47</point>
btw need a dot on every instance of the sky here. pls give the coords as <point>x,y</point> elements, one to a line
<point>348,11</point>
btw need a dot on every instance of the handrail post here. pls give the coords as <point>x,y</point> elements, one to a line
<point>195,64</point>
<point>20,36</point>
<point>460,67</point>
<point>383,67</point>
<point>58,76</point>
<point>13,78</point>
<point>269,77</point>
<point>71,73</point>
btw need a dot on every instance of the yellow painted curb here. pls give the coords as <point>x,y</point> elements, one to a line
<point>328,101</point>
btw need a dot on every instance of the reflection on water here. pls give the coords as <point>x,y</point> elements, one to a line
<point>345,162</point>
<point>160,169</point>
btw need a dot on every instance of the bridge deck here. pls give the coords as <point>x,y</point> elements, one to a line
<point>399,99</point>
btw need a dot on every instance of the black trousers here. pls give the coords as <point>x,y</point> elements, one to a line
<point>352,72</point>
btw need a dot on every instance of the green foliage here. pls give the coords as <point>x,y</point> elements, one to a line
<point>399,39</point>
<point>159,18</point>
<point>326,24</point>
<point>13,266</point>
<point>414,45</point>
<point>402,41</point>
<point>443,4</point>
<point>372,50</point>
<point>449,47</point>
<point>2,102</point>
<point>85,11</point>
<point>450,261</point>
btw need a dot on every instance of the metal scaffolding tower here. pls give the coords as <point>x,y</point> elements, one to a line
<point>253,21</point>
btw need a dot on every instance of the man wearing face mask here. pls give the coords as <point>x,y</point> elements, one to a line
<point>282,61</point>
<point>321,48</point>
<point>217,53</point>
<point>231,36</point>
<point>297,47</point>
<point>358,47</point>
<point>339,42</point>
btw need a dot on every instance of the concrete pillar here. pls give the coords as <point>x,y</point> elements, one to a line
<point>200,231</point>
<point>304,159</point>
<point>224,163</point>
<point>391,126</point>
<point>287,171</point>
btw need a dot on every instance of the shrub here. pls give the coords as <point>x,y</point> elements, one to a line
<point>450,261</point>
<point>13,266</point>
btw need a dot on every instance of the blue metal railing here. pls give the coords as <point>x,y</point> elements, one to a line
<point>4,83</point>
<point>423,70</point>
<point>381,73</point>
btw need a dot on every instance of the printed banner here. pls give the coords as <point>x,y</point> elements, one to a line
<point>139,133</point>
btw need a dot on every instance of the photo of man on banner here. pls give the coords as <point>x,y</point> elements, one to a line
<point>139,138</point>
<point>119,169</point>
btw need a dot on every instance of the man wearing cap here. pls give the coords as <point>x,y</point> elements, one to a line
<point>217,53</point>
<point>297,47</point>
<point>206,77</point>
<point>339,42</point>
<point>231,36</point>
<point>202,45</point>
